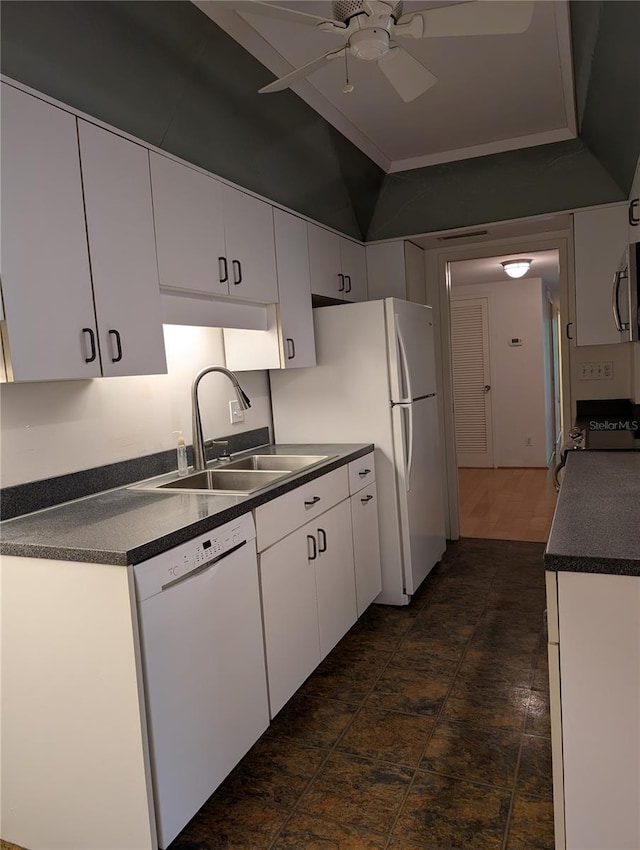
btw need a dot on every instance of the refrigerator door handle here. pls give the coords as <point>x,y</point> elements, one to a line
<point>407,418</point>
<point>404,368</point>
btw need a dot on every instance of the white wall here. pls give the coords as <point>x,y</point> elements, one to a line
<point>517,373</point>
<point>64,426</point>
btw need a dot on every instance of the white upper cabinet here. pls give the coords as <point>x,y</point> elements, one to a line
<point>117,188</point>
<point>211,238</point>
<point>250,248</point>
<point>50,328</point>
<point>338,266</point>
<point>396,270</point>
<point>599,237</point>
<point>354,269</point>
<point>294,288</point>
<point>189,225</point>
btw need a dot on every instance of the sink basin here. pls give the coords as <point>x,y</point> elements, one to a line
<point>287,463</point>
<point>226,480</point>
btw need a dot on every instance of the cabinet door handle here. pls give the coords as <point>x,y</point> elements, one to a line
<point>223,269</point>
<point>364,472</point>
<point>291,348</point>
<point>237,267</point>
<point>116,335</point>
<point>311,502</point>
<point>567,330</point>
<point>366,499</point>
<point>314,547</point>
<point>92,345</point>
<point>322,538</point>
<point>634,219</point>
<point>341,285</point>
<point>348,279</point>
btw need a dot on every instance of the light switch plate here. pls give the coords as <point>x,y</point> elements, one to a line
<point>236,413</point>
<point>601,371</point>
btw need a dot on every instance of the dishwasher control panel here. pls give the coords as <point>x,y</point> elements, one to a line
<point>172,566</point>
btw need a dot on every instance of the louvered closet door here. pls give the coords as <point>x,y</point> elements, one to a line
<point>471,381</point>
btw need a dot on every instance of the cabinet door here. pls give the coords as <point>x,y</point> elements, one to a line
<point>250,248</point>
<point>187,208</point>
<point>46,284</point>
<point>354,269</point>
<point>366,546</point>
<point>290,615</point>
<point>117,190</point>
<point>325,264</point>
<point>294,291</point>
<point>600,237</point>
<point>335,580</point>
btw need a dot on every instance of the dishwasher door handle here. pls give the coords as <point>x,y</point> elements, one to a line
<point>203,567</point>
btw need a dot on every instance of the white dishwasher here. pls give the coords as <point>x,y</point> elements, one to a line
<point>203,666</point>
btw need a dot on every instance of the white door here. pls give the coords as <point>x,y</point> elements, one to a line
<point>117,197</point>
<point>290,614</point>
<point>335,576</point>
<point>420,494</point>
<point>472,381</point>
<point>187,206</point>
<point>411,351</point>
<point>366,546</point>
<point>325,263</point>
<point>353,259</point>
<point>250,247</point>
<point>46,282</point>
<point>294,291</point>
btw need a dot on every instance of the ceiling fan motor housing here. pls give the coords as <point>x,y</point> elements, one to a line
<point>343,10</point>
<point>369,44</point>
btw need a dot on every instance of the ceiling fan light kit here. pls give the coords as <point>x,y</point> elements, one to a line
<point>516,268</point>
<point>370,28</point>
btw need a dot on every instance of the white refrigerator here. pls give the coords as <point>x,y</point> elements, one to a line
<point>375,383</point>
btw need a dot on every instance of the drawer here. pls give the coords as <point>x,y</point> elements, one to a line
<point>362,472</point>
<point>281,516</point>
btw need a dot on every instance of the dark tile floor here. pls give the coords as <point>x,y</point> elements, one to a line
<point>427,727</point>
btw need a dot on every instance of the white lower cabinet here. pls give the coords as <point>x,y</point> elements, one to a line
<point>306,541</point>
<point>290,616</point>
<point>594,655</point>
<point>364,519</point>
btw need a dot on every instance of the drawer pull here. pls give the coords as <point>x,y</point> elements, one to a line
<point>364,472</point>
<point>366,499</point>
<point>311,502</point>
<point>311,538</point>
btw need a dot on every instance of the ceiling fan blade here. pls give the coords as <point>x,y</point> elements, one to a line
<point>255,7</point>
<point>301,73</point>
<point>408,77</point>
<point>475,17</point>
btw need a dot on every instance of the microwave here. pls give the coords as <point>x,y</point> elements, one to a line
<point>626,297</point>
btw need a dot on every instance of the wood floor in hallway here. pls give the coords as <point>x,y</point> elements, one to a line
<point>506,504</point>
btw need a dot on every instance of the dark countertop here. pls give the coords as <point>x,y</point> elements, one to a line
<point>126,526</point>
<point>596,526</point>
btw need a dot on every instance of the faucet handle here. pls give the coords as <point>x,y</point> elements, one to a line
<point>224,455</point>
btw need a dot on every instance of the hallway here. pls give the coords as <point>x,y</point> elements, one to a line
<point>427,728</point>
<point>506,503</point>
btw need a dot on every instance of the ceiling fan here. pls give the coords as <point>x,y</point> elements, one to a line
<point>370,28</point>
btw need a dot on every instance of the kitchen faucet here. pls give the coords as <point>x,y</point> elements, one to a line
<point>199,460</point>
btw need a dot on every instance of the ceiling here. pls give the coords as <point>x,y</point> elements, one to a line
<point>545,265</point>
<point>494,93</point>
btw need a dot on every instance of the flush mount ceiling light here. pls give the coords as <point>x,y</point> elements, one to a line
<point>516,268</point>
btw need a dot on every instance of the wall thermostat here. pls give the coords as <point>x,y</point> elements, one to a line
<point>515,340</point>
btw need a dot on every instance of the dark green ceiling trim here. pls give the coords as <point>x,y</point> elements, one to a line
<point>165,73</point>
<point>517,184</point>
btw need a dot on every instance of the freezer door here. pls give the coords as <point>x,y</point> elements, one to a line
<point>419,483</point>
<point>411,350</point>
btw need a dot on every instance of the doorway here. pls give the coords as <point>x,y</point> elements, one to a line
<point>516,482</point>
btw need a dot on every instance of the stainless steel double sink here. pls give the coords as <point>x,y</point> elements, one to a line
<point>240,477</point>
